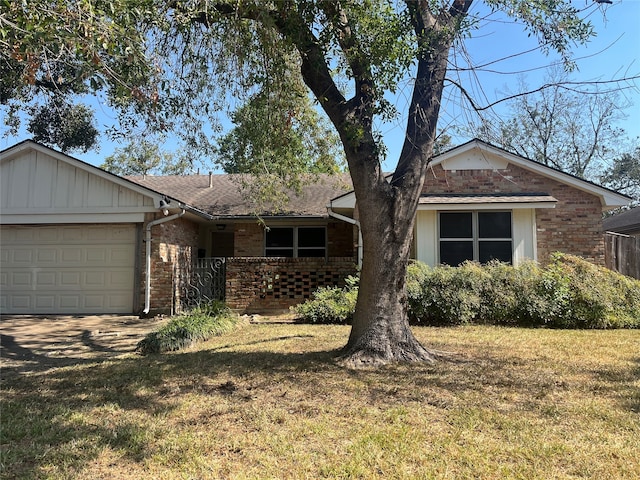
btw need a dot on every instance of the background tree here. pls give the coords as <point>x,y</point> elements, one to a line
<point>145,158</point>
<point>280,137</point>
<point>280,133</point>
<point>624,174</point>
<point>67,126</point>
<point>162,59</point>
<point>571,129</point>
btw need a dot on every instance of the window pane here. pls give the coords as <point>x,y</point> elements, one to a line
<point>494,224</point>
<point>311,237</point>
<point>495,250</point>
<point>454,253</point>
<point>279,237</point>
<point>456,225</point>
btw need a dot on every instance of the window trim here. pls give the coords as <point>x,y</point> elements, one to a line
<point>296,248</point>
<point>475,232</point>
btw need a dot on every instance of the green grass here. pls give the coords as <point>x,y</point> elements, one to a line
<point>268,401</point>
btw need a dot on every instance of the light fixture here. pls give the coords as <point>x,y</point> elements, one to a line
<point>164,204</point>
<point>220,226</point>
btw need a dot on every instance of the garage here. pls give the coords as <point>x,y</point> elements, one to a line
<point>67,269</point>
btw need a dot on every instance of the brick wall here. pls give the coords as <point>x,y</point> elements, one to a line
<point>249,239</point>
<point>263,285</point>
<point>174,244</point>
<point>574,226</point>
<point>342,239</point>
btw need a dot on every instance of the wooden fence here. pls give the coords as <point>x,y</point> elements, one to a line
<point>622,253</point>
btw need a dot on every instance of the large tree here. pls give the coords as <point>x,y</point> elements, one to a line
<point>181,60</point>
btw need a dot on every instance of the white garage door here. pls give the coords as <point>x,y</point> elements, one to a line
<point>67,269</point>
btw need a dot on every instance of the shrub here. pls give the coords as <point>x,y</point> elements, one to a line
<point>197,325</point>
<point>449,296</point>
<point>568,293</point>
<point>330,304</point>
<point>588,296</point>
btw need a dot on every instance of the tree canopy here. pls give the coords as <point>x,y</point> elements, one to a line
<point>145,158</point>
<point>176,64</point>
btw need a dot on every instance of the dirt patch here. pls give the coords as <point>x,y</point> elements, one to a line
<point>40,342</point>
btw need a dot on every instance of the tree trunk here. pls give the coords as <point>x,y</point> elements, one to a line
<point>380,332</point>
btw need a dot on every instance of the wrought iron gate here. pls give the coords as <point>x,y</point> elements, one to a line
<point>207,282</point>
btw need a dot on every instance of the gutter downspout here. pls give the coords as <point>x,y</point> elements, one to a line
<point>352,221</point>
<point>147,289</point>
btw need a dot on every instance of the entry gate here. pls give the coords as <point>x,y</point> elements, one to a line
<point>207,282</point>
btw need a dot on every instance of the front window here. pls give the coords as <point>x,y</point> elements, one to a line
<point>480,236</point>
<point>296,242</point>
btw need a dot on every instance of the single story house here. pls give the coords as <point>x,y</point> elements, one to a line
<point>76,239</point>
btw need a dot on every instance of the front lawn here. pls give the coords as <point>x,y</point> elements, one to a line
<point>267,401</point>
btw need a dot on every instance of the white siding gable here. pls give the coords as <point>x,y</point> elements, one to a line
<point>38,186</point>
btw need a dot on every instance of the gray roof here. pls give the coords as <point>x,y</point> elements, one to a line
<point>625,222</point>
<point>486,198</point>
<point>224,196</point>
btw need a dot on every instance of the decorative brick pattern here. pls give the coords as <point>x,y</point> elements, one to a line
<point>574,226</point>
<point>260,285</point>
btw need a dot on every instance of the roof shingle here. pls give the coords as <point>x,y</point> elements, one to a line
<point>223,195</point>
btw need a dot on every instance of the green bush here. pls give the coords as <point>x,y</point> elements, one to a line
<point>197,325</point>
<point>330,304</point>
<point>588,296</point>
<point>568,293</point>
<point>449,295</point>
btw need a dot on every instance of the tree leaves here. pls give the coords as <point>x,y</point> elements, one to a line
<point>145,158</point>
<point>68,126</point>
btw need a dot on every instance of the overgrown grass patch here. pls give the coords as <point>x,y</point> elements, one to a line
<point>268,401</point>
<point>194,326</point>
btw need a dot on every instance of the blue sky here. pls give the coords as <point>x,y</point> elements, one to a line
<point>613,53</point>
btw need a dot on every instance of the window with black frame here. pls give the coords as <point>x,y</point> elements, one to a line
<point>296,242</point>
<point>479,235</point>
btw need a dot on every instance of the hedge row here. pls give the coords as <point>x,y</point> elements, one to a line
<point>567,293</point>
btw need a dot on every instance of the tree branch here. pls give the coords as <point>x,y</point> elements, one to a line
<point>563,85</point>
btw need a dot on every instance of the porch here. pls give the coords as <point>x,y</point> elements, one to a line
<point>262,285</point>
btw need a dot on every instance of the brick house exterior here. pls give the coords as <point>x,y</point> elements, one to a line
<point>174,246</point>
<point>481,202</point>
<point>255,282</point>
<point>77,239</point>
<point>574,225</point>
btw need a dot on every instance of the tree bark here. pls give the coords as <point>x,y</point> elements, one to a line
<point>380,332</point>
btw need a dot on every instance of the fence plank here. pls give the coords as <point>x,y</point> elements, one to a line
<point>622,254</point>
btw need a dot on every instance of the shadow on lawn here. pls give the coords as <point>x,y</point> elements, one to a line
<point>21,358</point>
<point>89,404</point>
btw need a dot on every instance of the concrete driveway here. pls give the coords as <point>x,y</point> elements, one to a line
<point>39,342</point>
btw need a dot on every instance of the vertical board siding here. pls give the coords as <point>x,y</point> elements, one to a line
<point>622,254</point>
<point>35,180</point>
